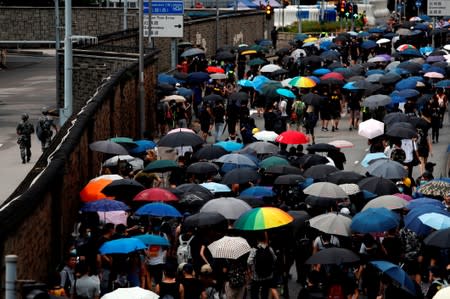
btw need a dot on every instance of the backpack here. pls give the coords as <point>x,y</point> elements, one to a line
<point>43,129</point>
<point>236,277</point>
<point>299,108</point>
<point>263,262</point>
<point>184,250</point>
<point>336,292</point>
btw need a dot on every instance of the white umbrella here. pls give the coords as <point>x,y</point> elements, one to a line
<point>350,189</point>
<point>131,293</point>
<point>269,68</point>
<point>383,41</point>
<point>332,223</point>
<point>218,76</point>
<point>443,293</point>
<point>377,59</point>
<point>230,207</point>
<point>371,128</point>
<point>174,97</point>
<point>434,75</point>
<point>297,53</point>
<point>229,248</point>
<point>341,143</point>
<point>266,135</point>
<point>390,202</point>
<point>325,189</point>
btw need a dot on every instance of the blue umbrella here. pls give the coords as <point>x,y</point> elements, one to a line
<point>230,146</point>
<point>425,18</point>
<point>315,79</point>
<point>435,220</point>
<point>216,187</point>
<point>376,30</point>
<point>321,72</point>
<point>325,45</point>
<point>158,209</point>
<point>443,84</point>
<point>372,157</point>
<point>363,34</point>
<point>104,205</point>
<point>413,223</point>
<point>410,52</point>
<point>185,92</point>
<point>389,35</point>
<point>258,191</point>
<point>285,93</point>
<point>368,44</point>
<point>400,71</point>
<point>396,273</point>
<point>265,43</point>
<point>149,240</point>
<point>426,50</point>
<point>122,246</point>
<point>300,37</point>
<point>437,70</point>
<point>142,146</point>
<point>374,220</point>
<point>405,84</point>
<point>368,195</point>
<point>245,83</point>
<point>421,26</point>
<point>408,93</point>
<point>396,98</point>
<point>372,72</point>
<point>259,81</point>
<point>346,72</point>
<point>168,79</point>
<point>197,77</point>
<point>421,201</point>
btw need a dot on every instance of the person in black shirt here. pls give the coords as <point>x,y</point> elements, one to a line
<point>193,287</point>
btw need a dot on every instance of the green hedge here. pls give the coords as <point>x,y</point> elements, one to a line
<point>314,26</point>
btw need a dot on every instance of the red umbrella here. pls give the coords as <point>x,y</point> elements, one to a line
<point>292,137</point>
<point>333,75</point>
<point>155,195</point>
<point>215,69</point>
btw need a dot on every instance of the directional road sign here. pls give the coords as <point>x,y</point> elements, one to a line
<point>166,26</point>
<point>438,8</point>
<point>165,7</point>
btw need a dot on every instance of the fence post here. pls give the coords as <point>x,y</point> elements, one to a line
<point>10,276</point>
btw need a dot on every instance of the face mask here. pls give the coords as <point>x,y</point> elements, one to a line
<point>73,251</point>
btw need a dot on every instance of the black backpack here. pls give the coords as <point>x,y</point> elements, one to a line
<point>264,262</point>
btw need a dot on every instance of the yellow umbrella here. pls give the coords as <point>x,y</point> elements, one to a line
<point>310,40</point>
<point>247,52</point>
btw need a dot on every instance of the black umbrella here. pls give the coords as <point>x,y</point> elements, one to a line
<point>313,60</point>
<point>238,97</point>
<point>289,179</point>
<point>212,98</point>
<point>423,99</point>
<point>331,81</point>
<point>180,75</point>
<point>335,65</point>
<point>321,202</point>
<point>378,185</point>
<point>283,169</point>
<point>344,177</point>
<point>412,67</point>
<point>419,123</point>
<point>108,147</point>
<point>240,176</point>
<point>309,160</point>
<point>394,117</point>
<point>333,256</point>
<point>253,201</point>
<point>390,78</point>
<point>193,188</point>
<point>225,55</point>
<point>401,132</point>
<point>330,55</point>
<point>319,172</point>
<point>403,124</point>
<point>282,52</point>
<point>203,219</point>
<point>197,77</point>
<point>203,168</point>
<point>440,238</point>
<point>166,88</point>
<point>124,188</point>
<point>321,147</point>
<point>312,99</point>
<point>299,223</point>
<point>180,139</point>
<point>193,201</point>
<point>209,152</point>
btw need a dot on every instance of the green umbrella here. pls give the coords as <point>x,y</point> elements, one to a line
<point>256,61</point>
<point>269,89</point>
<point>161,166</point>
<point>124,141</point>
<point>272,161</point>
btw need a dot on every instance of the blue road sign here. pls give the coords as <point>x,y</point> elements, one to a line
<point>165,7</point>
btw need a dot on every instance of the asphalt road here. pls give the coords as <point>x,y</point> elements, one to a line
<point>27,85</point>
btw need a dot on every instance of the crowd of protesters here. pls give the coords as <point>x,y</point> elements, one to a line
<point>212,106</point>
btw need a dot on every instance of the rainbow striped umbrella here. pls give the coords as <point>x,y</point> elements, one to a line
<point>405,47</point>
<point>302,82</point>
<point>262,218</point>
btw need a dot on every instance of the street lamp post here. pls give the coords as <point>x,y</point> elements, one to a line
<point>141,69</point>
<point>299,16</point>
<point>66,111</point>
